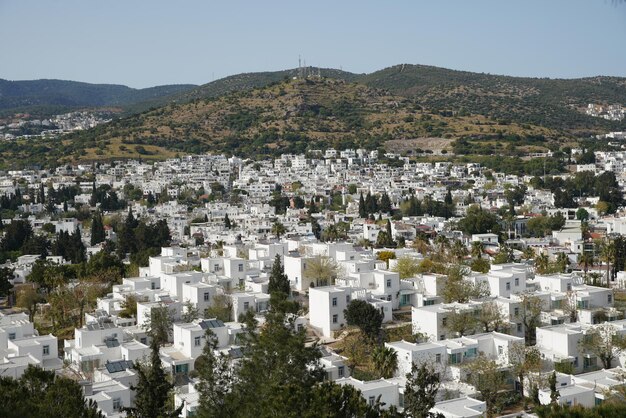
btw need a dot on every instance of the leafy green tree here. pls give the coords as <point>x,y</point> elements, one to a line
<point>28,298</point>
<point>478,221</point>
<point>221,308</point>
<point>331,400</point>
<point>406,267</point>
<point>6,274</point>
<point>422,385</point>
<point>530,315</point>
<point>505,255</point>
<point>152,391</point>
<point>604,342</point>
<point>457,289</point>
<point>190,313</point>
<point>582,214</point>
<point>15,235</point>
<point>524,361</point>
<point>41,393</point>
<point>485,375</point>
<point>158,324</point>
<point>365,316</point>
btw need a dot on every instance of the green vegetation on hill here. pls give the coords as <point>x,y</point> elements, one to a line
<point>553,103</point>
<point>412,109</point>
<point>289,116</point>
<point>48,97</point>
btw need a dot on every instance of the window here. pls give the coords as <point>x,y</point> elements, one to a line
<point>240,267</point>
<point>442,337</point>
<point>516,311</point>
<point>196,341</point>
<point>117,404</point>
<point>609,298</point>
<point>347,298</point>
<point>388,282</point>
<point>389,297</point>
<point>152,285</point>
<point>46,350</point>
<point>519,327</point>
<point>340,371</point>
<point>206,296</point>
<point>11,336</point>
<point>500,350</point>
<point>444,321</point>
<point>437,358</point>
<point>569,287</point>
<point>216,267</point>
<point>334,301</point>
<point>508,285</point>
<point>335,318</point>
<point>246,306</point>
<point>371,400</point>
<point>517,281</point>
<point>454,358</point>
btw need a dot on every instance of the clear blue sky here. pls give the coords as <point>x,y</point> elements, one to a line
<point>144,43</point>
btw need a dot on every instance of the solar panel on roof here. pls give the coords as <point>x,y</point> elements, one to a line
<point>118,366</point>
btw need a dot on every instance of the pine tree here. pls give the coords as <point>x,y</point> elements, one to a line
<point>152,389</point>
<point>278,279</point>
<point>422,384</point>
<point>227,223</point>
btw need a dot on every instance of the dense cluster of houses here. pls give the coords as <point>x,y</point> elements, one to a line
<point>195,274</point>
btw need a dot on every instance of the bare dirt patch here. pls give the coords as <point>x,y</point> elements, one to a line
<point>410,146</point>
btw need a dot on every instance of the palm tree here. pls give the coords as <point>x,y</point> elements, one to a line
<point>477,249</point>
<point>542,262</point>
<point>442,244</point>
<point>421,245</point>
<point>562,260</point>
<point>587,260</point>
<point>322,270</point>
<point>607,254</point>
<point>459,250</point>
<point>529,253</point>
<point>385,361</point>
<point>278,229</point>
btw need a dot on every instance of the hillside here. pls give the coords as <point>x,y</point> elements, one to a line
<point>290,116</point>
<point>553,103</point>
<point>47,97</point>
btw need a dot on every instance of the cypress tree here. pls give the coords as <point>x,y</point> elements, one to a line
<point>97,229</point>
<point>362,209</point>
<point>278,279</point>
<point>385,203</point>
